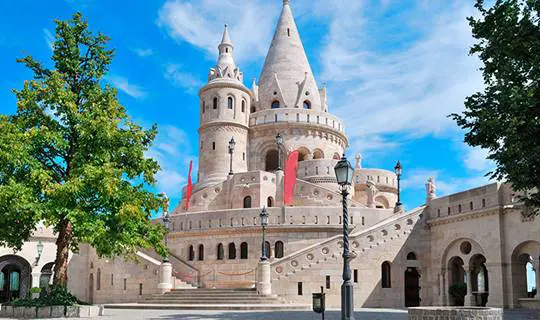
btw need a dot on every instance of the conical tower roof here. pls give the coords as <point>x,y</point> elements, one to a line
<point>287,60</point>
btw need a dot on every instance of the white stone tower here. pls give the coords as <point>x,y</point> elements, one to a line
<point>224,110</point>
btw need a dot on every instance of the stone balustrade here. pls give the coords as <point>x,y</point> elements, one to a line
<point>322,119</point>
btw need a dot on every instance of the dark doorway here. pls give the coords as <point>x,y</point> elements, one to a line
<point>10,279</point>
<point>272,160</point>
<point>412,288</point>
<point>91,288</point>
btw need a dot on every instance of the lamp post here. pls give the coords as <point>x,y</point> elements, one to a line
<point>398,169</point>
<point>344,175</point>
<point>264,223</point>
<point>166,222</point>
<point>232,143</point>
<point>279,142</point>
<point>39,248</point>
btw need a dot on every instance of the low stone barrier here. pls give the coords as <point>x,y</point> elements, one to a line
<point>50,312</point>
<point>457,313</point>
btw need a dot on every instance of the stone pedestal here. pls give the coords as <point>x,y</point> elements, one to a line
<point>279,187</point>
<point>165,277</point>
<point>264,283</point>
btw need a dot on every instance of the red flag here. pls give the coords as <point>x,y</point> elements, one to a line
<point>291,166</point>
<point>189,185</point>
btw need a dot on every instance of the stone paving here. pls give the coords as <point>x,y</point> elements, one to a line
<point>363,314</point>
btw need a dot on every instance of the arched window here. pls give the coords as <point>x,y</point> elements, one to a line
<point>247,202</point>
<point>278,251</point>
<point>317,154</point>
<point>386,271</point>
<point>98,284</point>
<point>232,251</point>
<point>253,109</point>
<point>275,105</point>
<point>243,250</point>
<point>471,206</point>
<point>411,256</point>
<point>220,253</point>
<point>307,104</point>
<point>336,156</point>
<point>268,249</point>
<point>230,103</point>
<point>201,252</point>
<point>191,253</point>
<point>243,105</point>
<point>215,103</point>
<point>272,160</point>
<point>270,202</point>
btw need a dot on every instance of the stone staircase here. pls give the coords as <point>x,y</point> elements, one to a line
<point>210,299</point>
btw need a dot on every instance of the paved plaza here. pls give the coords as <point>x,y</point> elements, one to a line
<point>363,314</point>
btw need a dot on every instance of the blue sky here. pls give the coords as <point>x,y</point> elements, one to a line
<point>394,69</point>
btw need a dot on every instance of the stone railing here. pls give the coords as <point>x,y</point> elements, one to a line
<point>322,119</point>
<point>362,241</point>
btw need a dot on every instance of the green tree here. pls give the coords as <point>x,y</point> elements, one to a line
<point>505,117</point>
<point>71,157</point>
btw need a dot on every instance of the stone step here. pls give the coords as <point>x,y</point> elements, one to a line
<point>263,307</point>
<point>215,301</point>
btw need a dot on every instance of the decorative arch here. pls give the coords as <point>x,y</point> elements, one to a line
<point>318,154</point>
<point>307,104</point>
<point>523,254</point>
<point>275,104</point>
<point>336,156</point>
<point>382,201</point>
<point>303,153</point>
<point>17,273</point>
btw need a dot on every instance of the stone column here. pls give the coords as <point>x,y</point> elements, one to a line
<point>35,283</point>
<point>264,283</point>
<point>165,277</point>
<point>279,188</point>
<point>498,292</point>
<point>442,289</point>
<point>469,298</point>
<point>537,268</point>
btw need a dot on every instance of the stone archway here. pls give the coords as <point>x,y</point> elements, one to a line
<point>479,280</point>
<point>524,253</point>
<point>272,160</point>
<point>16,275</point>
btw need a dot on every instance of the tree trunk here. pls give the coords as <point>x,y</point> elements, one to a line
<point>62,253</point>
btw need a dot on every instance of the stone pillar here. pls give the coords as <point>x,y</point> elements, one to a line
<point>497,286</point>
<point>442,289</point>
<point>35,283</point>
<point>279,188</point>
<point>165,277</point>
<point>264,283</point>
<point>537,268</point>
<point>469,298</point>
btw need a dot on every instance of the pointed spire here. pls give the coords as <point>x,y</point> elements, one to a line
<point>287,58</point>
<point>226,67</point>
<point>226,40</point>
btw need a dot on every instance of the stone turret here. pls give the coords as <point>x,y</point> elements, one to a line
<point>225,106</point>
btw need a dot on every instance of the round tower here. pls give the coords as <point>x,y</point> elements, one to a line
<point>224,111</point>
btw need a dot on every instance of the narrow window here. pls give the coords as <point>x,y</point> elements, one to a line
<point>300,288</point>
<point>449,210</point>
<point>140,289</point>
<point>297,117</point>
<point>471,206</point>
<point>327,282</point>
<point>247,202</point>
<point>213,146</point>
<point>279,249</point>
<point>220,253</point>
<point>191,253</point>
<point>253,109</point>
<point>112,279</point>
<point>355,275</point>
<point>270,202</point>
<point>459,208</point>
<point>352,220</point>
<point>275,118</point>
<point>288,32</point>
<point>232,251</point>
<point>267,249</point>
<point>98,284</point>
<point>363,221</point>
<point>483,203</point>
<point>386,275</point>
<point>230,103</point>
<point>215,103</point>
<point>203,107</point>
<point>201,252</point>
<point>307,104</point>
<point>275,105</point>
<point>244,250</point>
<point>411,256</point>
<point>125,284</point>
<point>244,156</point>
<point>438,212</point>
<point>243,105</point>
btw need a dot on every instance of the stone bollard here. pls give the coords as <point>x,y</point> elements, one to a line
<point>165,277</point>
<point>264,284</point>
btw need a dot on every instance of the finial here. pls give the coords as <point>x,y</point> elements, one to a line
<point>358,159</point>
<point>285,2</point>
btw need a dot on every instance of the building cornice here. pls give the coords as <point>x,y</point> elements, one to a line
<point>254,230</point>
<point>280,126</point>
<point>219,83</point>
<point>465,216</point>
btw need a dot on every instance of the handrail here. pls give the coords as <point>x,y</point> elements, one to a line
<point>354,235</point>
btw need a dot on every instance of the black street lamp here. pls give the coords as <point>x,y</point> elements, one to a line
<point>279,142</point>
<point>344,175</point>
<point>232,143</point>
<point>264,223</point>
<point>166,222</point>
<point>398,169</point>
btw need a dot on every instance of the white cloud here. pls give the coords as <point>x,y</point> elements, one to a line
<point>475,159</point>
<point>143,52</point>
<point>173,153</point>
<point>417,178</point>
<point>182,79</point>
<point>201,23</point>
<point>49,38</point>
<point>123,84</point>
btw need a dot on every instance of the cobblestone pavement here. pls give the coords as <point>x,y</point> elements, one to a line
<point>363,314</point>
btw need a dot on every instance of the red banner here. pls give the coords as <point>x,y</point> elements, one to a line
<point>289,181</point>
<point>189,185</point>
